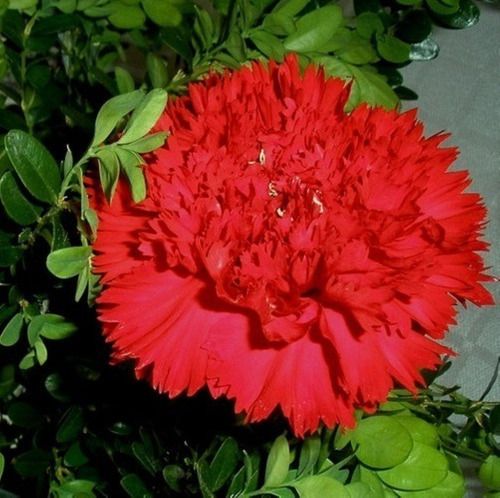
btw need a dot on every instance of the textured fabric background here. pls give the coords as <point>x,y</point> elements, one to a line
<point>460,92</point>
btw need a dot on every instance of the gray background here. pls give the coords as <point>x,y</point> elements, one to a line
<point>460,92</point>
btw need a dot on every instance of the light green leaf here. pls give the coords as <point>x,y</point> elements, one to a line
<point>420,430</point>
<point>41,352</point>
<point>69,261</point>
<point>279,24</point>
<point>453,486</point>
<point>489,472</point>
<point>373,89</point>
<point>109,170</point>
<point>164,13</point>
<point>381,442</point>
<point>290,7</point>
<point>424,468</point>
<point>278,462</point>
<point>12,331</point>
<point>223,464</point>
<point>314,29</point>
<point>149,143</point>
<point>360,490</point>
<point>124,80</point>
<point>112,112</point>
<point>145,116</point>
<point>54,327</point>
<point>393,49</point>
<point>130,163</point>
<point>126,16</point>
<point>34,164</point>
<point>22,4</point>
<point>268,44</point>
<point>17,207</point>
<point>320,486</point>
<point>309,455</point>
<point>157,71</point>
<point>2,465</point>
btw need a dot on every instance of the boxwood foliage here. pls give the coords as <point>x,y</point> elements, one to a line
<point>82,82</point>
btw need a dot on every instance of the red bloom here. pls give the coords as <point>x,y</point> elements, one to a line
<point>289,254</point>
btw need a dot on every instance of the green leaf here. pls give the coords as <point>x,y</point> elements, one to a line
<point>466,16</point>
<point>392,49</point>
<point>130,162</point>
<point>443,8</point>
<point>78,488</point>
<point>135,487</point>
<point>112,112</point>
<point>489,472</point>
<point>148,144</point>
<point>12,331</point>
<point>290,7</point>
<point>361,490</point>
<point>34,164</point>
<point>69,261</point>
<point>279,24</point>
<point>126,16</point>
<point>414,27</point>
<point>70,425</point>
<point>22,4</point>
<point>41,352</point>
<point>420,430</point>
<point>7,380</point>
<point>28,361</point>
<point>32,463</point>
<point>278,462</point>
<point>368,24</point>
<point>163,13</point>
<point>157,71</point>
<point>316,486</point>
<point>358,51</point>
<point>109,171</point>
<point>373,89</point>
<point>17,207</point>
<point>54,327</point>
<point>453,486</point>
<point>314,29</point>
<point>124,80</point>
<point>2,465</point>
<point>382,442</point>
<point>424,468</point>
<point>145,116</point>
<point>223,464</point>
<point>24,415</point>
<point>309,455</point>
<point>173,474</point>
<point>405,93</point>
<point>268,44</point>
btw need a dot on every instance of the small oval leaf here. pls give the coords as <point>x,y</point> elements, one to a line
<point>69,261</point>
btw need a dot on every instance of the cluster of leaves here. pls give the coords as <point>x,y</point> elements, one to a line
<point>78,428</point>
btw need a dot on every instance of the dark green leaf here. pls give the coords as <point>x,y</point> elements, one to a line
<point>314,29</point>
<point>494,420</point>
<point>68,262</point>
<point>135,487</point>
<point>223,464</point>
<point>414,27</point>
<point>466,16</point>
<point>24,415</point>
<point>361,6</point>
<point>55,24</point>
<point>173,475</point>
<point>278,462</point>
<point>145,116</point>
<point>112,112</point>
<point>54,384</point>
<point>32,463</point>
<point>18,208</point>
<point>7,380</point>
<point>34,164</point>
<point>405,93</point>
<point>441,7</point>
<point>70,425</point>
<point>12,331</point>
<point>368,24</point>
<point>141,453</point>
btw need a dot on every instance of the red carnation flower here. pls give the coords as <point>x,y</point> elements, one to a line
<point>288,254</point>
